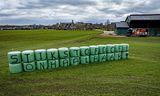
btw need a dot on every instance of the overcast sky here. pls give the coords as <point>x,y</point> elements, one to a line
<point>53,11</point>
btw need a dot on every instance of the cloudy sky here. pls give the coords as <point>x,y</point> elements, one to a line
<point>53,11</point>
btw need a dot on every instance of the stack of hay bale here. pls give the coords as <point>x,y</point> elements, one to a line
<point>42,59</point>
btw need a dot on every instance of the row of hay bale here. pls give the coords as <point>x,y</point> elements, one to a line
<point>41,59</point>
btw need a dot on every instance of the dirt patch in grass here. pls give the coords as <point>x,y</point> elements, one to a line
<point>110,35</point>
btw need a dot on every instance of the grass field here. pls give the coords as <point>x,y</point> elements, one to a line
<point>137,76</point>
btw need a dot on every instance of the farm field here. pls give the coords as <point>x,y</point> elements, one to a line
<point>137,76</point>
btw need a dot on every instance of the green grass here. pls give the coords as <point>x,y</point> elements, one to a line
<point>137,76</point>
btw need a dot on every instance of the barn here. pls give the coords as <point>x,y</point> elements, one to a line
<point>121,28</point>
<point>150,22</point>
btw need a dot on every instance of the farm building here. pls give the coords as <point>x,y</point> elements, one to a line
<point>149,22</point>
<point>121,28</point>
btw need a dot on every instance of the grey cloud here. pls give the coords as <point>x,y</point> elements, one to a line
<point>6,15</point>
<point>133,8</point>
<point>118,2</point>
<point>144,8</point>
<point>55,3</point>
<point>74,2</point>
<point>51,11</point>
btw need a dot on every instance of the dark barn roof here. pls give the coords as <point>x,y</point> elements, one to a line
<point>121,25</point>
<point>143,20</point>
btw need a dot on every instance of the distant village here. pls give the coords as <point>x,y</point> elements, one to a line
<point>61,26</point>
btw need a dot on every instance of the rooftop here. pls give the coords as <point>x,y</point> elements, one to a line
<point>121,24</point>
<point>144,17</point>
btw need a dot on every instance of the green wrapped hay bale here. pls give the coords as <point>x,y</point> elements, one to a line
<point>63,52</point>
<point>14,57</point>
<point>102,57</point>
<point>84,59</point>
<point>125,47</point>
<point>117,56</point>
<point>29,66</point>
<point>15,68</point>
<point>110,48</point>
<point>42,65</point>
<point>64,62</point>
<point>52,54</point>
<point>120,55</point>
<point>102,49</point>
<point>110,56</point>
<point>53,64</point>
<point>118,47</point>
<point>94,58</point>
<point>28,56</point>
<point>74,51</point>
<point>40,54</point>
<point>125,55</point>
<point>84,51</point>
<point>94,50</point>
<point>74,60</point>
